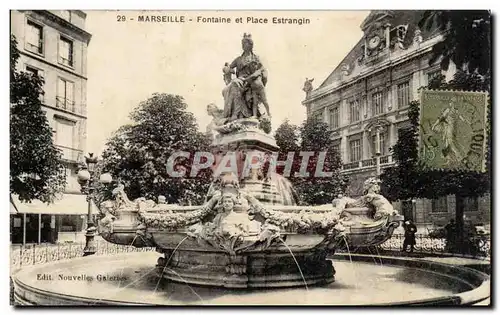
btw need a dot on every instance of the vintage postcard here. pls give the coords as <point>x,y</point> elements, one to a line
<point>249,158</point>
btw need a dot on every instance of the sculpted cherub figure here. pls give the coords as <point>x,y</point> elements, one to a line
<point>162,204</point>
<point>217,118</point>
<point>121,197</point>
<point>107,210</point>
<point>227,73</point>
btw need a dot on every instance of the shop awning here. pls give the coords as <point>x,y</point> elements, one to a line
<point>67,204</point>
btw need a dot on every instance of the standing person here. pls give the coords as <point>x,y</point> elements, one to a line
<point>410,231</point>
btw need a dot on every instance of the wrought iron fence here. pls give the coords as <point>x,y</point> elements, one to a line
<point>27,255</point>
<point>477,246</point>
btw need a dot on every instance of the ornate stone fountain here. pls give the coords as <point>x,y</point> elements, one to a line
<point>251,232</point>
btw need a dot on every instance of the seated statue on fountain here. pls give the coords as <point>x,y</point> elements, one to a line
<point>371,198</point>
<point>107,216</point>
<point>121,198</point>
<point>245,100</point>
<point>119,220</point>
<point>232,222</point>
<point>246,91</point>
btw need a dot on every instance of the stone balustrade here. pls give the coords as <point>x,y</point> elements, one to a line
<point>368,163</point>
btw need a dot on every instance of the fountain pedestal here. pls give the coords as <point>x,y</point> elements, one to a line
<point>253,270</point>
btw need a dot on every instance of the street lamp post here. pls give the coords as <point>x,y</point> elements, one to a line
<point>377,150</point>
<point>86,179</point>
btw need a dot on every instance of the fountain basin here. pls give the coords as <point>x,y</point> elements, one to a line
<point>131,280</point>
<point>249,261</point>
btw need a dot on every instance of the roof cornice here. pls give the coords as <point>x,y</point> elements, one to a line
<point>383,65</point>
<point>53,17</point>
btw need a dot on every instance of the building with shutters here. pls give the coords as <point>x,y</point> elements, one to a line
<point>365,101</point>
<point>53,45</point>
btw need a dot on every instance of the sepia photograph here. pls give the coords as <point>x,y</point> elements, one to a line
<point>250,158</point>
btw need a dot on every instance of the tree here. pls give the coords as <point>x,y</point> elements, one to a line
<point>314,137</point>
<point>36,169</point>
<point>399,182</point>
<point>287,137</point>
<point>466,41</point>
<point>137,154</point>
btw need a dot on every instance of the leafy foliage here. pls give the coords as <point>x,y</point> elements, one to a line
<point>314,137</point>
<point>36,170</point>
<point>287,137</point>
<point>467,39</point>
<point>138,153</point>
<point>398,183</point>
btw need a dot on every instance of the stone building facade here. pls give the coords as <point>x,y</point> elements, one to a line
<point>53,45</point>
<point>365,101</point>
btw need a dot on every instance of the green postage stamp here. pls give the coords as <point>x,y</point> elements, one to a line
<point>453,129</point>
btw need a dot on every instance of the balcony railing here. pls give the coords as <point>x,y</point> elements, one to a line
<point>384,160</point>
<point>70,154</point>
<point>351,165</point>
<point>69,105</point>
<point>369,162</point>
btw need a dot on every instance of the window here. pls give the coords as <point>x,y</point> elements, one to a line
<point>65,98</point>
<point>355,150</point>
<point>440,204</point>
<point>334,117</point>
<point>471,204</point>
<point>382,144</point>
<point>354,112</point>
<point>377,106</point>
<point>403,94</point>
<point>71,223</point>
<point>34,37</point>
<point>36,72</point>
<point>65,51</point>
<point>64,132</point>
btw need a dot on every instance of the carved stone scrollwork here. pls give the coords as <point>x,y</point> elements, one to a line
<point>417,37</point>
<point>346,69</point>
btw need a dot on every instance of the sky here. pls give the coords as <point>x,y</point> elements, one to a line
<point>129,61</point>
